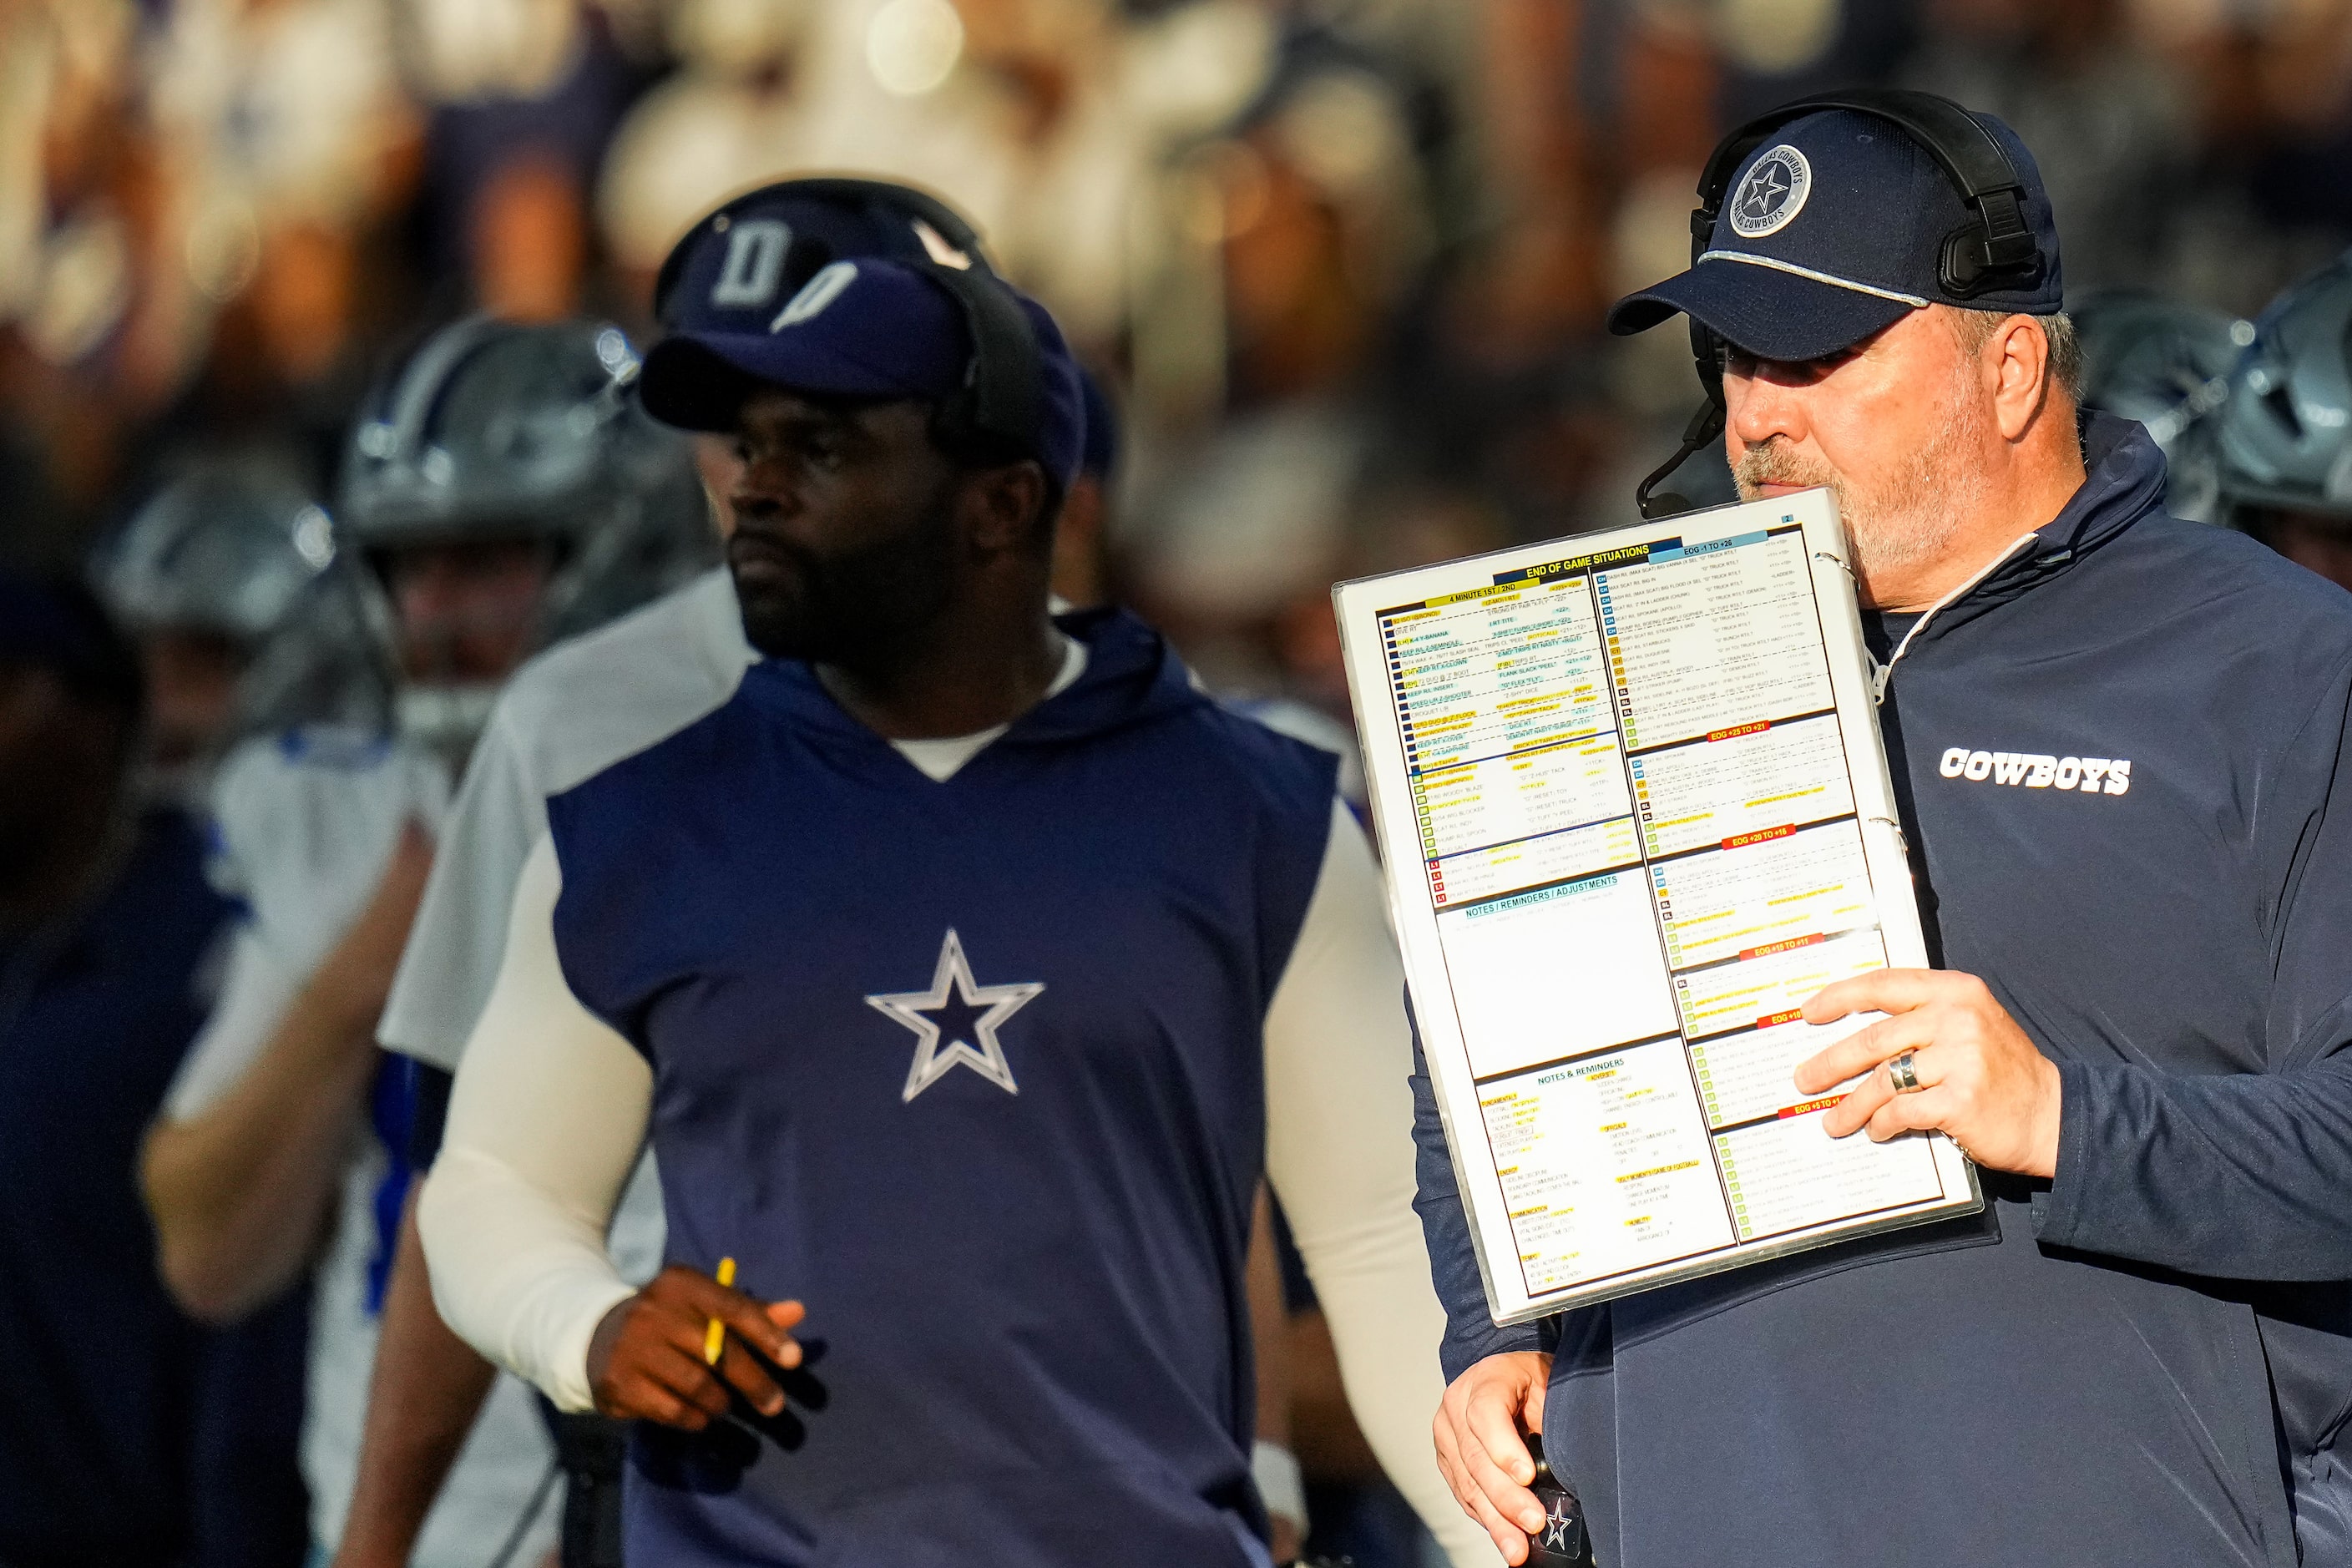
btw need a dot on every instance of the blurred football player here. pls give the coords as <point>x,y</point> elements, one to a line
<point>2286,435</point>
<point>2166,365</point>
<point>244,616</point>
<point>504,490</point>
<point>128,1433</point>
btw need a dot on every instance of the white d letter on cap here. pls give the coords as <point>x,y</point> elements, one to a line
<point>1773,192</point>
<point>755,260</point>
<point>815,294</point>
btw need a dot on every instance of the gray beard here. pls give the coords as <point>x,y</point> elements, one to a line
<point>1906,517</point>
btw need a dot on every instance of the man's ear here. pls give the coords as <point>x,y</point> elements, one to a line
<point>2020,351</point>
<point>1006,503</point>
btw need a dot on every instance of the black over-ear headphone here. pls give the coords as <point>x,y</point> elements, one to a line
<point>1994,250</point>
<point>1004,395</point>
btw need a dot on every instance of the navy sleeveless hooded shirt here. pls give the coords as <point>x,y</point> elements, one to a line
<point>975,1069</point>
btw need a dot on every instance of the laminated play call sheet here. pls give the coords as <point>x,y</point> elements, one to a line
<point>1633,809</point>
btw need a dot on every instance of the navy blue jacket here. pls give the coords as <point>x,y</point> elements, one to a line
<point>126,1434</point>
<point>2149,1362</point>
<point>1023,1271</point>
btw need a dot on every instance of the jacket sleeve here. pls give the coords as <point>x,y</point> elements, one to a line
<point>2241,1175</point>
<point>1471,1334</point>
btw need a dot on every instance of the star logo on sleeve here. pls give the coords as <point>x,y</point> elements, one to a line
<point>956,1021</point>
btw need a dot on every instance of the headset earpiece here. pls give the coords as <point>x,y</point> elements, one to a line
<point>1003,395</point>
<point>1970,263</point>
<point>1706,349</point>
<point>1707,357</point>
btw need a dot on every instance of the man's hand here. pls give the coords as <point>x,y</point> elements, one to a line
<point>644,1360</point>
<point>1482,1451</point>
<point>1982,1081</point>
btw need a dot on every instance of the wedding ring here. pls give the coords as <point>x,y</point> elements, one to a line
<point>1901,1073</point>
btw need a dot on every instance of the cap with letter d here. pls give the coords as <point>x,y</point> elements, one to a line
<point>1828,220</point>
<point>900,320</point>
<point>736,267</point>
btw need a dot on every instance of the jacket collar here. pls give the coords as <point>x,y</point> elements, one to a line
<point>2123,482</point>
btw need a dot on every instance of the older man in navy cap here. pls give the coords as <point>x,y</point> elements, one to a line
<point>967,966</point>
<point>2118,740</point>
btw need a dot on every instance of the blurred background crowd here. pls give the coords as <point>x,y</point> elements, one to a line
<point>1342,262</point>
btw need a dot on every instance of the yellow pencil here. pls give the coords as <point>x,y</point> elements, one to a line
<point>714,1340</point>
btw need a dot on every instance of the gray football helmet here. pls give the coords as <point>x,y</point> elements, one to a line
<point>495,431</point>
<point>2167,365</point>
<point>240,551</point>
<point>2285,435</point>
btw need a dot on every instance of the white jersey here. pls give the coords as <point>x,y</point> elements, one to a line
<point>566,716</point>
<point>305,827</point>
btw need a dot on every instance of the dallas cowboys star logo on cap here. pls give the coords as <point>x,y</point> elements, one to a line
<point>956,1021</point>
<point>1773,192</point>
<point>1765,192</point>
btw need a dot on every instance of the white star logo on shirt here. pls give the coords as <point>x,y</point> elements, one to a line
<point>956,1021</point>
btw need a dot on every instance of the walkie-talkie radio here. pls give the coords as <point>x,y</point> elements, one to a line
<point>1563,1541</point>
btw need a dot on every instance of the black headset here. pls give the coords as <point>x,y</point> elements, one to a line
<point>1004,395</point>
<point>1994,250</point>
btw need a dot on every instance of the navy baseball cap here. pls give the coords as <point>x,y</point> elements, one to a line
<point>868,328</point>
<point>1834,229</point>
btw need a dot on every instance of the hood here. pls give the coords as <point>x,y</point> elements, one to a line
<point>2123,482</point>
<point>1132,677</point>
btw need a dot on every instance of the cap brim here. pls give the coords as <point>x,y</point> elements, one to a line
<point>698,381</point>
<point>1769,312</point>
